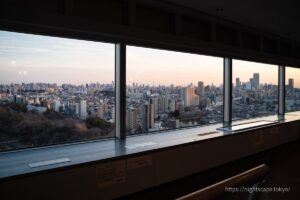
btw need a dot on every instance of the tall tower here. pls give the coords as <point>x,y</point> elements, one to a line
<point>148,117</point>
<point>291,83</point>
<point>256,80</point>
<point>151,115</point>
<point>82,110</point>
<point>132,119</point>
<point>172,105</point>
<point>188,93</point>
<point>200,89</point>
<point>238,83</point>
<point>155,103</point>
<point>163,104</point>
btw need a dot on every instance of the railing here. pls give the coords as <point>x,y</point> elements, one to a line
<point>253,175</point>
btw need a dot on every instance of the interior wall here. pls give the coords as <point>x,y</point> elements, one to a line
<point>148,23</point>
<point>132,174</point>
<point>168,27</point>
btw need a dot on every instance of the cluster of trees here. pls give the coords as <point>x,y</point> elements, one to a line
<point>21,129</point>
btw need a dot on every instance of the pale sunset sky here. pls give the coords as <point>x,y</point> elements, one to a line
<point>34,58</point>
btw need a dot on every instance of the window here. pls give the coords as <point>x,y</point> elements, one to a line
<point>255,89</point>
<point>54,90</point>
<point>168,90</point>
<point>57,90</point>
<point>292,89</point>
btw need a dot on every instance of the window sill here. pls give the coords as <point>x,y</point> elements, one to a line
<point>19,163</point>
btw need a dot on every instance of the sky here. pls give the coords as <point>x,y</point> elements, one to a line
<point>33,58</point>
<point>294,73</point>
<point>161,67</point>
<point>245,69</point>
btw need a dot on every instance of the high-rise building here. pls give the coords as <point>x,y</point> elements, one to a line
<point>113,114</point>
<point>200,89</point>
<point>103,108</point>
<point>188,93</point>
<point>151,115</point>
<point>173,105</point>
<point>155,103</point>
<point>238,83</point>
<point>189,96</point>
<point>147,117</point>
<point>255,80</point>
<point>82,110</point>
<point>132,119</point>
<point>163,104</point>
<point>291,83</point>
<point>195,100</point>
<point>248,85</point>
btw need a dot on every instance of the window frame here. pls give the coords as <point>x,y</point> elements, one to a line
<point>280,86</point>
<point>177,51</point>
<point>70,36</point>
<point>120,74</point>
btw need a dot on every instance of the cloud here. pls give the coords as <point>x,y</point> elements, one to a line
<point>18,49</point>
<point>85,47</point>
<point>13,63</point>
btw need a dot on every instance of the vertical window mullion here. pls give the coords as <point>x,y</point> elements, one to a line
<point>281,90</point>
<point>120,65</point>
<point>227,87</point>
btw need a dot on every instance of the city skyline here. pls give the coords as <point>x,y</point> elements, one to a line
<point>27,58</point>
<point>56,90</point>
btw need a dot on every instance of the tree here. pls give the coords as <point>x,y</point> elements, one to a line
<point>175,114</point>
<point>96,122</point>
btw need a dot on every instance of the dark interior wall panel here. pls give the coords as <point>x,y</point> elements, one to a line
<point>227,35</point>
<point>195,28</point>
<point>154,19</point>
<point>41,6</point>
<point>297,51</point>
<point>285,49</point>
<point>250,41</point>
<point>270,46</point>
<point>111,11</point>
<point>152,23</point>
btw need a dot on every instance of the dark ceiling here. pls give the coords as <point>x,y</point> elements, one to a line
<point>276,16</point>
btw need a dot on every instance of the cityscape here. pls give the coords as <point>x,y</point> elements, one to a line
<point>151,108</point>
<point>38,114</point>
<point>57,90</point>
<point>252,99</point>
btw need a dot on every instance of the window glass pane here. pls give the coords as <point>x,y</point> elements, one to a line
<point>255,89</point>
<point>292,88</point>
<point>168,90</point>
<point>54,90</point>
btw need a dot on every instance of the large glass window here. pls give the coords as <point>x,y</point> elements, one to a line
<point>168,90</point>
<point>255,89</point>
<point>54,90</point>
<point>292,89</point>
